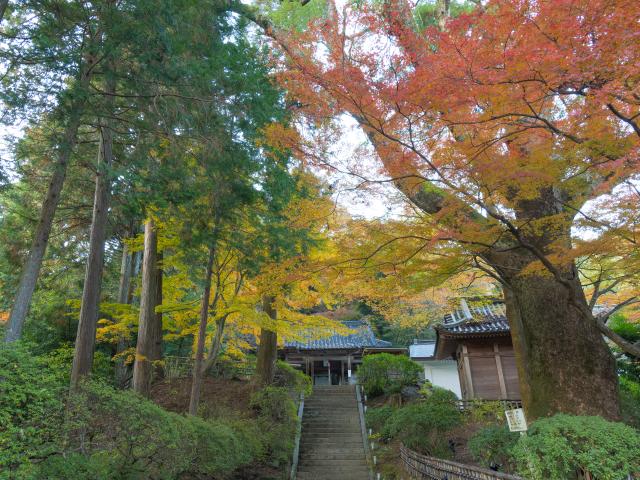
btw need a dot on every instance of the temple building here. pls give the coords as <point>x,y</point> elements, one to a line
<point>334,359</point>
<point>475,340</point>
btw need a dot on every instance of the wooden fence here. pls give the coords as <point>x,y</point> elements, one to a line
<point>181,367</point>
<point>422,467</point>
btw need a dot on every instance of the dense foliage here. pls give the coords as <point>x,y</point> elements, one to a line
<point>555,448</point>
<point>491,447</point>
<point>422,425</point>
<point>277,422</point>
<point>98,432</point>
<point>384,373</point>
<point>287,376</point>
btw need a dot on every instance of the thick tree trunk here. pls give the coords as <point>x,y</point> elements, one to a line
<point>196,384</point>
<point>32,266</point>
<point>148,320</point>
<point>90,306</point>
<point>268,348</point>
<point>564,364</point>
<point>124,289</point>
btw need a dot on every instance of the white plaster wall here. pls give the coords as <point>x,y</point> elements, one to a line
<point>443,374</point>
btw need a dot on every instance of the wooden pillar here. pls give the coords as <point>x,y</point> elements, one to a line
<point>503,385</point>
<point>341,372</point>
<point>466,369</point>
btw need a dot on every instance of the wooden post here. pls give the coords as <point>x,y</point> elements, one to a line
<point>503,386</point>
<point>466,367</point>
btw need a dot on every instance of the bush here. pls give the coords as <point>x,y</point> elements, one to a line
<point>486,412</point>
<point>145,441</point>
<point>377,417</point>
<point>384,373</point>
<point>557,447</point>
<point>277,420</point>
<point>630,402</point>
<point>289,377</point>
<point>31,409</point>
<point>423,425</point>
<point>61,359</point>
<point>492,446</point>
<point>101,433</point>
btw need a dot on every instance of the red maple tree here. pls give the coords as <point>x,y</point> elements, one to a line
<point>502,126</point>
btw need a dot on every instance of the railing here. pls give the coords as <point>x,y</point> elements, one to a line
<point>181,367</point>
<point>363,429</point>
<point>296,445</point>
<point>420,467</point>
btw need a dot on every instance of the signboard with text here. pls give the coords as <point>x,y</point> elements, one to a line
<point>516,420</point>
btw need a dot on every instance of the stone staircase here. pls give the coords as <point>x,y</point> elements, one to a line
<point>331,446</point>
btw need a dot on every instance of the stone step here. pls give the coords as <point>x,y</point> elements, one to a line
<point>323,429</point>
<point>333,476</point>
<point>305,458</point>
<point>347,441</point>
<point>332,417</point>
<point>340,474</point>
<point>331,449</point>
<point>323,462</point>
<point>330,421</point>
<point>311,440</point>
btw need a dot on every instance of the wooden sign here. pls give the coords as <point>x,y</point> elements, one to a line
<point>516,420</point>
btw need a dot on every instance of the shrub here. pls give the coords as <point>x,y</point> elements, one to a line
<point>630,402</point>
<point>557,447</point>
<point>60,360</point>
<point>384,373</point>
<point>289,377</point>
<point>377,417</point>
<point>492,446</point>
<point>423,425</point>
<point>31,410</point>
<point>101,433</point>
<point>277,419</point>
<point>143,440</point>
<point>486,412</point>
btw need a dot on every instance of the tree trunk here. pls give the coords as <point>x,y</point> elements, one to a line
<point>196,384</point>
<point>90,306</point>
<point>268,348</point>
<point>124,288</point>
<point>148,324</point>
<point>157,341</point>
<point>216,343</point>
<point>563,362</point>
<point>31,269</point>
<point>3,8</point>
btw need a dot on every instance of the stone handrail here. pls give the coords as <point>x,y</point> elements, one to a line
<point>420,466</point>
<point>363,429</point>
<point>296,445</point>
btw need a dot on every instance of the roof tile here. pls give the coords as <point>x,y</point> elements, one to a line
<point>362,337</point>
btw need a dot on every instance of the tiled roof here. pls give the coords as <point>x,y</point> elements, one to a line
<point>486,318</point>
<point>362,337</point>
<point>422,349</point>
